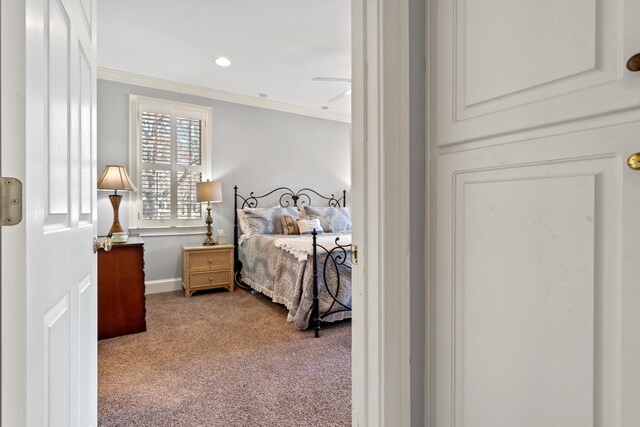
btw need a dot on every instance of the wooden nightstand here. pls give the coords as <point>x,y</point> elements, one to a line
<point>207,267</point>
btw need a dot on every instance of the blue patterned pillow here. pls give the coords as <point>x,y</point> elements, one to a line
<point>263,220</point>
<point>331,219</point>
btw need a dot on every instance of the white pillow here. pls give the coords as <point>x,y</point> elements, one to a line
<point>306,226</point>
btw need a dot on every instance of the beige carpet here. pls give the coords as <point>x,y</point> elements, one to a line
<point>224,359</point>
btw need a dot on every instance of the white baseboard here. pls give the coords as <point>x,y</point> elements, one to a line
<point>164,285</point>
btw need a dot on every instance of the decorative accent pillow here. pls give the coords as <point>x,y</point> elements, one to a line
<point>242,221</point>
<point>263,220</point>
<point>306,226</point>
<point>332,219</point>
<point>289,225</point>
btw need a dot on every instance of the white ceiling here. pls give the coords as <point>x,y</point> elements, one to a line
<point>275,46</point>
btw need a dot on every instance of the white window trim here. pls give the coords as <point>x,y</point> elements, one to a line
<point>184,227</point>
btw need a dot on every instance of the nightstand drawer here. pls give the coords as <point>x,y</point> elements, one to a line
<point>206,261</point>
<point>210,279</point>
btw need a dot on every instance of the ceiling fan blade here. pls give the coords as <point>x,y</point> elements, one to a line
<point>331,79</point>
<point>339,96</point>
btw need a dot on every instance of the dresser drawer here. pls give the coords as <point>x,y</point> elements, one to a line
<point>205,261</point>
<point>210,279</point>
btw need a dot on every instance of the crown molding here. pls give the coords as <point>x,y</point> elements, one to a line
<point>219,95</point>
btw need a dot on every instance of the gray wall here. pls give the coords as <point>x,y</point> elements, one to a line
<point>254,148</point>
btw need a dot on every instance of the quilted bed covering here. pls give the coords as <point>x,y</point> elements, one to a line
<point>287,280</point>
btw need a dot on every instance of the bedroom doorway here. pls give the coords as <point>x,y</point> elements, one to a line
<point>288,75</point>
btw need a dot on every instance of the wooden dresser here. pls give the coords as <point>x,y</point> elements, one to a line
<point>121,299</point>
<point>207,267</point>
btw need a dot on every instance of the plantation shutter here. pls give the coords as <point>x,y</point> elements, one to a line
<point>188,154</point>
<point>171,150</point>
<point>155,144</point>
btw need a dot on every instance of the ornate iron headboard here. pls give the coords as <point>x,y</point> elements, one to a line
<point>286,198</point>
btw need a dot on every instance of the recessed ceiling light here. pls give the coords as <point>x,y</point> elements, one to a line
<point>261,95</point>
<point>222,61</point>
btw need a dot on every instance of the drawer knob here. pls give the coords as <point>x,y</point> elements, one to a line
<point>211,279</point>
<point>210,259</point>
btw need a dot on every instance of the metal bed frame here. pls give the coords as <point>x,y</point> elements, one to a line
<point>336,257</point>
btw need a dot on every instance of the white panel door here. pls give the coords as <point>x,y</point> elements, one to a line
<point>535,299</point>
<point>60,214</point>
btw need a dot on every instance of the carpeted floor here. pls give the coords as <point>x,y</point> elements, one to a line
<point>224,359</point>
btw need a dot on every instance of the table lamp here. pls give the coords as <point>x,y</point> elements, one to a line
<point>115,178</point>
<point>209,191</point>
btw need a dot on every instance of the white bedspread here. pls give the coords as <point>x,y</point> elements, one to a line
<point>302,246</point>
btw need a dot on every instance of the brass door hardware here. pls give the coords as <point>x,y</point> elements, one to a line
<point>104,244</point>
<point>633,64</point>
<point>10,201</point>
<point>634,161</point>
<point>354,254</point>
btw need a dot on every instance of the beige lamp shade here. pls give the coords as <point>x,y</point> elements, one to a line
<point>115,178</point>
<point>209,191</point>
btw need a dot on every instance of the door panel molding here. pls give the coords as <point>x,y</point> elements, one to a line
<point>584,52</point>
<point>556,159</point>
<point>87,15</point>
<point>85,137</point>
<point>88,351</point>
<point>58,110</point>
<point>539,84</point>
<point>506,323</point>
<point>57,383</point>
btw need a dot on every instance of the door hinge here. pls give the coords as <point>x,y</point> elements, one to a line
<point>354,254</point>
<point>10,201</point>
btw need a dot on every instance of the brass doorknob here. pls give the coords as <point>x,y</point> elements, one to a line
<point>633,64</point>
<point>104,244</point>
<point>634,161</point>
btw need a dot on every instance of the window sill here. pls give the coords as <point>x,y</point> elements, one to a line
<point>167,231</point>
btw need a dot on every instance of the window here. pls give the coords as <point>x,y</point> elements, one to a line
<point>170,151</point>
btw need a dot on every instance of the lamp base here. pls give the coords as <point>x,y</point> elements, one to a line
<point>208,241</point>
<point>115,202</point>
